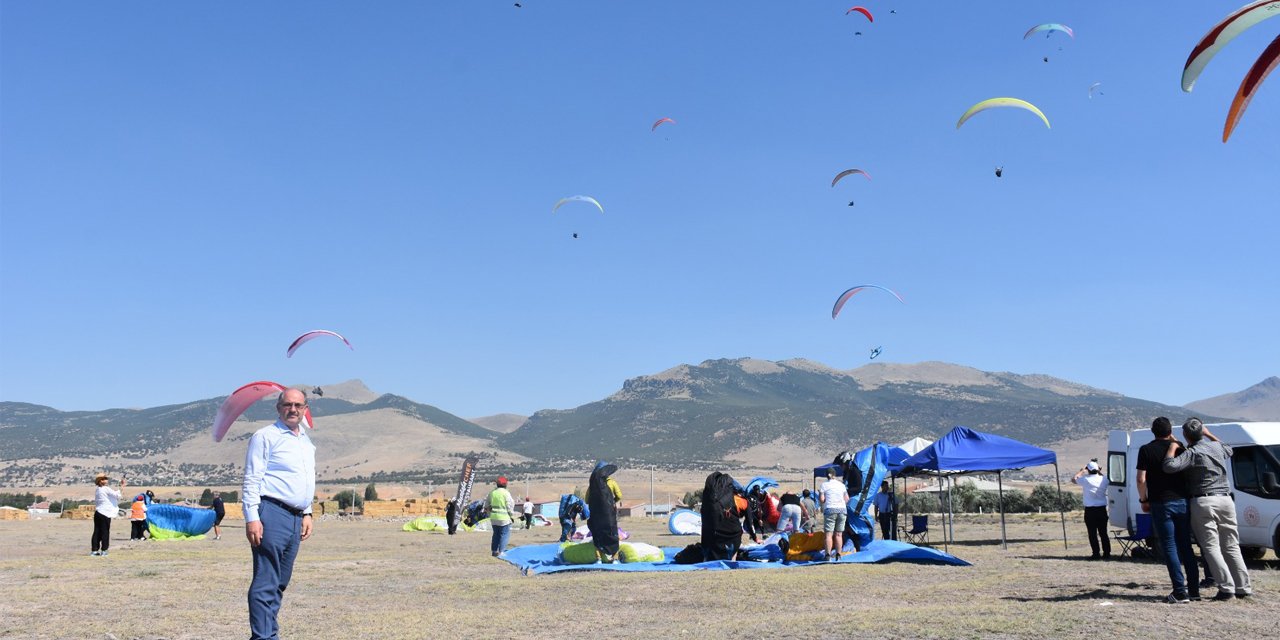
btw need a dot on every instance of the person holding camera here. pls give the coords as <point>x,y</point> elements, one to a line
<point>1095,484</point>
<point>1213,512</point>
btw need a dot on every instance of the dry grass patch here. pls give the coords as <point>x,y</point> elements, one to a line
<point>371,580</point>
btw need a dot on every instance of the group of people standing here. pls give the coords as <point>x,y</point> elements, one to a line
<point>106,506</point>
<point>1188,494</point>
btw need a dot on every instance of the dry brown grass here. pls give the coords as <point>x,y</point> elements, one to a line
<point>371,580</point>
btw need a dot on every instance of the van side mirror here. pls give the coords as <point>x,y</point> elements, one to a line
<point>1269,483</point>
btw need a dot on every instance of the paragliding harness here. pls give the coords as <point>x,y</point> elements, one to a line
<point>475,513</point>
<point>853,480</point>
<point>721,532</point>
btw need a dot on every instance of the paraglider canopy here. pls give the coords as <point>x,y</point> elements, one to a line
<point>1225,31</point>
<point>849,172</point>
<point>588,199</point>
<point>863,10</point>
<point>312,335</point>
<point>1049,27</point>
<point>661,121</point>
<point>1002,102</point>
<point>241,399</point>
<point>844,297</point>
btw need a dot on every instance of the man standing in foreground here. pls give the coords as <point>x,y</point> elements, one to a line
<point>1095,484</point>
<point>279,483</point>
<point>1213,512</point>
<point>1164,495</point>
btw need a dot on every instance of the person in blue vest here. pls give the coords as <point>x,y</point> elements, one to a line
<point>571,508</point>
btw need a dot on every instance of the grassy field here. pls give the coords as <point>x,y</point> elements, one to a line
<point>371,580</point>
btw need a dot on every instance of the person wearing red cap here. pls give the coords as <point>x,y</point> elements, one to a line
<point>501,506</point>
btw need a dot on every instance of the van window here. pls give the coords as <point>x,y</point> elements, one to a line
<point>1115,468</point>
<point>1248,463</point>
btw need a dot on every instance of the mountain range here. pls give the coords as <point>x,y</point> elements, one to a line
<point>1261,402</point>
<point>743,411</point>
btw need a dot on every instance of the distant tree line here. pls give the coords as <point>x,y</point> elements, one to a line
<point>966,498</point>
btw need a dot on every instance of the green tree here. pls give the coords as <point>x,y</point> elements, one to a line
<point>1044,497</point>
<point>371,492</point>
<point>346,497</point>
<point>692,499</point>
<point>206,498</point>
<point>231,496</point>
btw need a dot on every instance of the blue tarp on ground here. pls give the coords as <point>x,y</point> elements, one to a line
<point>964,449</point>
<point>545,558</point>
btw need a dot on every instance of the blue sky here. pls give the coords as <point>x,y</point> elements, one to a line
<point>185,187</point>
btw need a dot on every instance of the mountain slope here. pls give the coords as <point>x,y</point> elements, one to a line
<point>1261,402</point>
<point>714,410</point>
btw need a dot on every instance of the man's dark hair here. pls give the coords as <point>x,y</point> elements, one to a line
<point>1161,427</point>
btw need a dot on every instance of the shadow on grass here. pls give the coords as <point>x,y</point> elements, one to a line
<point>986,542</point>
<point>1102,592</point>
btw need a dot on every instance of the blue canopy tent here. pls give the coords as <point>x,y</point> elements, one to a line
<point>963,450</point>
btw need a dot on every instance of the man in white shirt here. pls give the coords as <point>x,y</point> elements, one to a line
<point>1094,483</point>
<point>279,484</point>
<point>526,510</point>
<point>835,500</point>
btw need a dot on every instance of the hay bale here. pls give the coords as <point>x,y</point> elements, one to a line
<point>14,513</point>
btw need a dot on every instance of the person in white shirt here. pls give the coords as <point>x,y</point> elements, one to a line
<point>106,506</point>
<point>527,510</point>
<point>279,484</point>
<point>1094,483</point>
<point>835,500</point>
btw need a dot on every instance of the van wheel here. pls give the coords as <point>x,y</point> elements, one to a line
<point>1253,553</point>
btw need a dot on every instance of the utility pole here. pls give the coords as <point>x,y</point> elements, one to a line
<point>652,511</point>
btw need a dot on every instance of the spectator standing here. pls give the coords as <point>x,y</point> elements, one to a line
<point>1164,496</point>
<point>526,510</point>
<point>809,507</point>
<point>279,484</point>
<point>1095,484</point>
<point>106,506</point>
<point>886,504</point>
<point>1213,512</point>
<point>138,518</point>
<point>502,508</point>
<point>835,500</point>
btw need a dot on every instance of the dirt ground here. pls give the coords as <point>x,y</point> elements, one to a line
<point>369,579</point>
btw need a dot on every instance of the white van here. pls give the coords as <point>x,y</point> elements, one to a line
<point>1255,467</point>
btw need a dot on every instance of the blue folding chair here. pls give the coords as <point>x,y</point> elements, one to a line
<point>919,531</point>
<point>1137,539</point>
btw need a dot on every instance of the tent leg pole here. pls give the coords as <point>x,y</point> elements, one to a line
<point>1061,512</point>
<point>1004,538</point>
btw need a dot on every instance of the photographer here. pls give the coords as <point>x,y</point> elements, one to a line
<point>1094,483</point>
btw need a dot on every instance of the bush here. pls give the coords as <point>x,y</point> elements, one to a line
<point>345,498</point>
<point>371,492</point>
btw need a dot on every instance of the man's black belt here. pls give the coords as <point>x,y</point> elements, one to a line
<point>1210,495</point>
<point>282,505</point>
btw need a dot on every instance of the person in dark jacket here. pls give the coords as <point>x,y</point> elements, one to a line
<point>721,531</point>
<point>451,515</point>
<point>603,496</point>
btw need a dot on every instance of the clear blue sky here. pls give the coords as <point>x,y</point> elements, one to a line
<point>185,187</point>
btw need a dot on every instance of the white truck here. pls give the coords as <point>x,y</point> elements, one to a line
<point>1255,467</point>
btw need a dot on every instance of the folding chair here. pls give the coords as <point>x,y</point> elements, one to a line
<point>919,531</point>
<point>1136,540</point>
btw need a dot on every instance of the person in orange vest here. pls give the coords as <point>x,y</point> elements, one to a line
<point>138,518</point>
